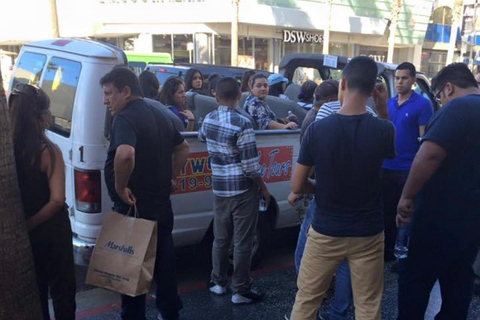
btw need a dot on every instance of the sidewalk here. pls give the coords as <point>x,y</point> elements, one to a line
<point>199,304</point>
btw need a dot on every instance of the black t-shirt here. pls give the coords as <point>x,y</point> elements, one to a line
<point>347,152</point>
<point>451,198</point>
<point>153,136</point>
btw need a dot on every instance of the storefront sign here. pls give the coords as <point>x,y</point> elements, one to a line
<point>295,36</point>
<point>275,166</point>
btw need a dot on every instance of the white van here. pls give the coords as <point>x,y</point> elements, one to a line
<point>69,71</point>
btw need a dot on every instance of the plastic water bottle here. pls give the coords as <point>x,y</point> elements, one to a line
<point>262,204</point>
<point>402,241</point>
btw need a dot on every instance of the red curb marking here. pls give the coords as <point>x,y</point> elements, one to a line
<point>185,289</point>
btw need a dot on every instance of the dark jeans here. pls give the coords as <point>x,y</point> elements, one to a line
<point>392,186</point>
<point>53,258</point>
<point>168,302</point>
<point>234,218</point>
<point>443,251</point>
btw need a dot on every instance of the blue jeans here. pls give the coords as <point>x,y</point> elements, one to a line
<point>343,299</point>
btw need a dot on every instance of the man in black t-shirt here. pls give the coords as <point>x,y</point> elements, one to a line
<point>445,182</point>
<point>139,170</point>
<point>347,150</point>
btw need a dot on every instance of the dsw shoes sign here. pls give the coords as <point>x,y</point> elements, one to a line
<point>295,36</point>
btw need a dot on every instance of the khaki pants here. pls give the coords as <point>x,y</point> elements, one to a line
<point>321,258</point>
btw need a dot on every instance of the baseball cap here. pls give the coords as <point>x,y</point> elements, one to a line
<point>276,78</point>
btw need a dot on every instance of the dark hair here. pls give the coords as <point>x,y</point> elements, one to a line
<point>122,77</point>
<point>361,74</point>
<point>150,84</point>
<point>245,78</point>
<point>227,89</point>
<point>212,76</point>
<point>189,78</point>
<point>306,91</point>
<point>276,89</point>
<point>212,84</point>
<point>408,66</point>
<point>328,88</point>
<point>28,105</point>
<point>457,74</point>
<point>170,86</point>
<point>256,77</point>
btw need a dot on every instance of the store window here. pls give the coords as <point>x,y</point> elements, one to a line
<point>432,62</point>
<point>248,58</point>
<point>183,47</point>
<point>162,43</point>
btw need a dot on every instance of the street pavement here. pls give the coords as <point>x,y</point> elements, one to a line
<point>276,277</point>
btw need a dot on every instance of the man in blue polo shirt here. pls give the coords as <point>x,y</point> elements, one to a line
<point>409,112</point>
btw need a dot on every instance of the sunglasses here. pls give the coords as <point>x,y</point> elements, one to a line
<point>29,90</point>
<point>437,95</point>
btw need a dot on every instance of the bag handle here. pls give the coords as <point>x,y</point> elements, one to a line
<point>135,210</point>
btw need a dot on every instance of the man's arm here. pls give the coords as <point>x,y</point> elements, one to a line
<point>179,158</point>
<point>124,163</point>
<point>421,130</point>
<point>379,96</point>
<point>426,162</point>
<point>301,184</point>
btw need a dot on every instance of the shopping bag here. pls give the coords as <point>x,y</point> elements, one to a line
<point>123,259</point>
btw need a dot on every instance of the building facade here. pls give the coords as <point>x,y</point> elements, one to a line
<point>200,30</point>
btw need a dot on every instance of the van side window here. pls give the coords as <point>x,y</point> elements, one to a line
<point>60,84</point>
<point>29,68</point>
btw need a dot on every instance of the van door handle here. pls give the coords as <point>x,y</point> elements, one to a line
<point>81,153</point>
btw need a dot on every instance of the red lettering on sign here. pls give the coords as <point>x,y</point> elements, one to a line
<point>275,166</point>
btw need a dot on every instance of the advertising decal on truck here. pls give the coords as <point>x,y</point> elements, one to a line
<point>275,166</point>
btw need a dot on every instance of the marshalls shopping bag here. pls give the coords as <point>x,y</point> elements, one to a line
<point>124,256</point>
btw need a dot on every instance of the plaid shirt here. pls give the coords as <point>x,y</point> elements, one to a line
<point>233,151</point>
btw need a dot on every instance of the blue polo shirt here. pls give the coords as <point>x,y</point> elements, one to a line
<point>412,113</point>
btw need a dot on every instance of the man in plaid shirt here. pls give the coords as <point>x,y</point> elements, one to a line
<point>236,181</point>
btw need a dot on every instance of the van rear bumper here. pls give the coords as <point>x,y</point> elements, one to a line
<point>82,251</point>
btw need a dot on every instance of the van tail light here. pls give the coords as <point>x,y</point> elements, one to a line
<point>88,191</point>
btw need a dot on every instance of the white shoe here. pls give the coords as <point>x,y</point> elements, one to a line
<point>215,288</point>
<point>249,297</point>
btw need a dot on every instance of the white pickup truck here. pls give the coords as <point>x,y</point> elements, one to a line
<point>69,71</point>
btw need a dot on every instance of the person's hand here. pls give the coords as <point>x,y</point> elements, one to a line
<point>291,126</point>
<point>379,96</point>
<point>266,195</point>
<point>174,186</point>
<point>292,118</point>
<point>127,196</point>
<point>292,198</point>
<point>404,211</point>
<point>187,114</point>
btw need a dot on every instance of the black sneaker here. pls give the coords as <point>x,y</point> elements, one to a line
<point>248,298</point>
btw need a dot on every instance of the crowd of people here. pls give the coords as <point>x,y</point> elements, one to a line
<point>369,171</point>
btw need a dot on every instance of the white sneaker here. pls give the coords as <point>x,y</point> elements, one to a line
<point>215,288</point>
<point>246,298</point>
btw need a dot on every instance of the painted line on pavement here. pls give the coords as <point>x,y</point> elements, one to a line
<point>182,290</point>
